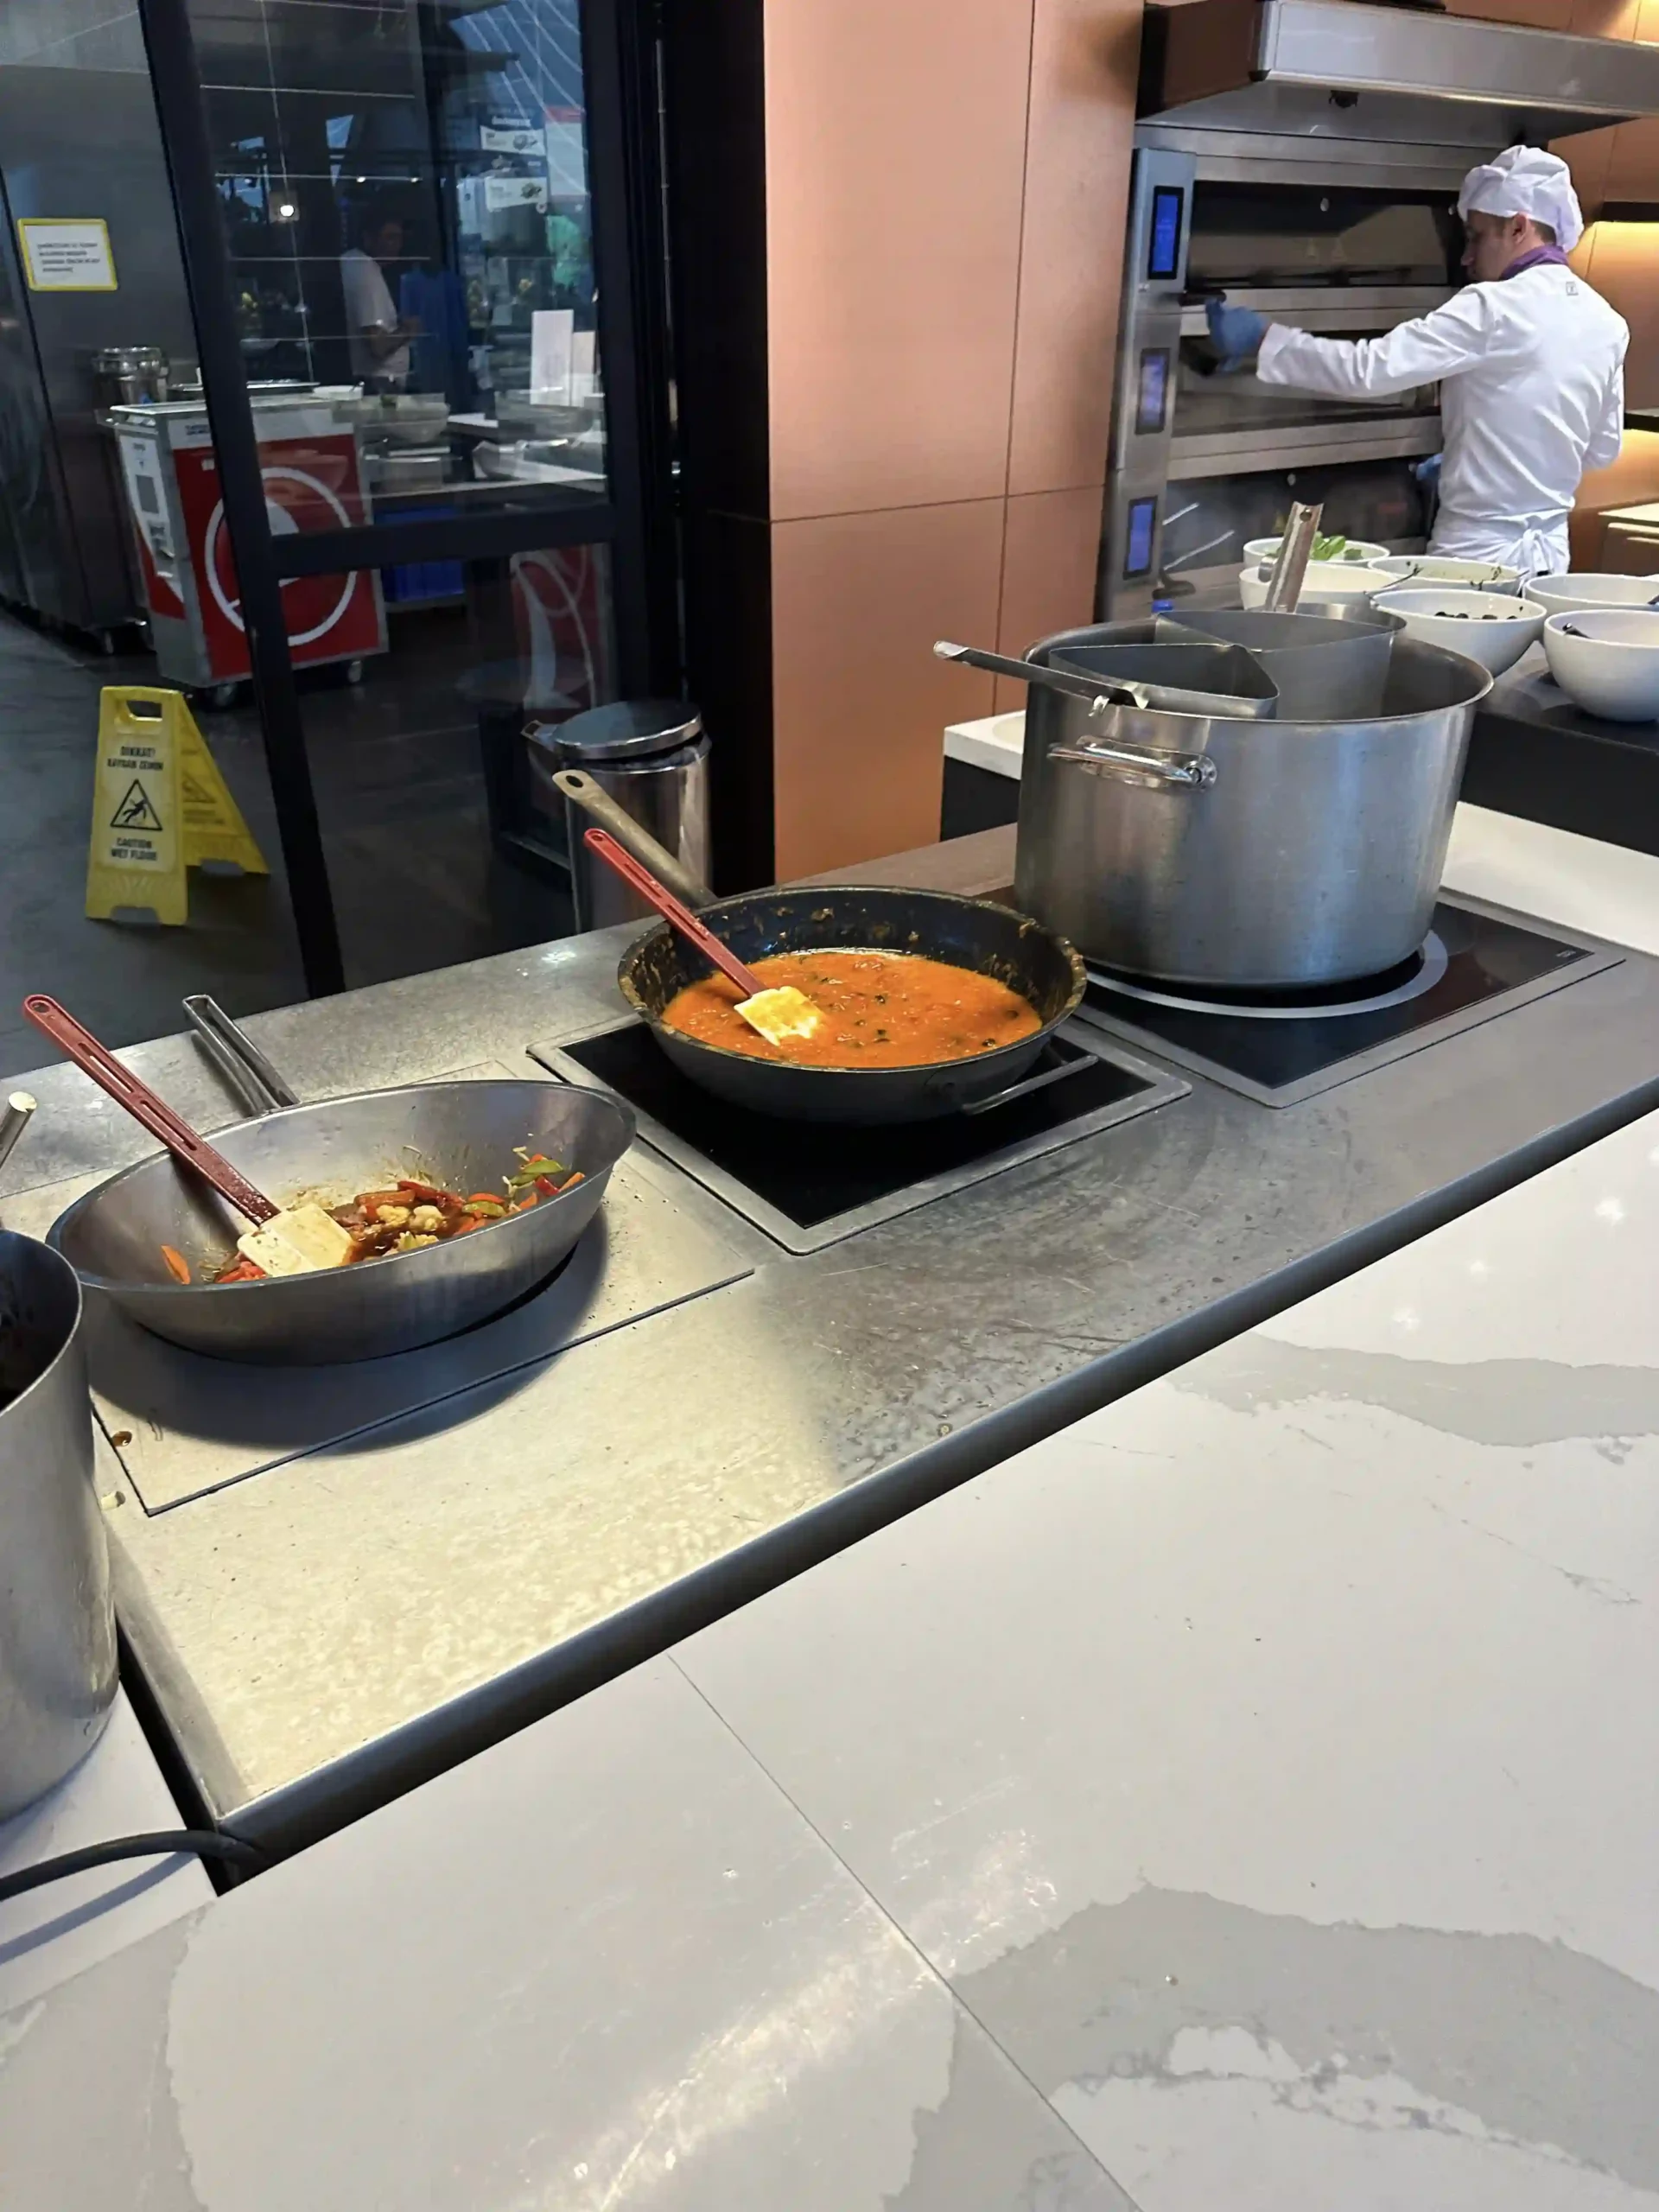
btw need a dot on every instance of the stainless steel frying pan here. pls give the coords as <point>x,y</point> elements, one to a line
<point>460,1135</point>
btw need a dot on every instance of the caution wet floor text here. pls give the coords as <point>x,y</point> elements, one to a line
<point>160,807</point>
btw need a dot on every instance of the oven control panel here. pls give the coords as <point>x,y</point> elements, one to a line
<point>1148,359</point>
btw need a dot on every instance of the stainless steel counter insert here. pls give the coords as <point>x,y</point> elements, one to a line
<point>194,1425</point>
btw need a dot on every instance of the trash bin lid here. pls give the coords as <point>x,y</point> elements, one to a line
<point>627,729</point>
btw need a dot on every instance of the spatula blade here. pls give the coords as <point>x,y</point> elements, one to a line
<point>780,1014</point>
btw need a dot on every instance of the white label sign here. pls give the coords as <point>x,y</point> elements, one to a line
<point>62,256</point>
<point>501,192</point>
<point>510,138</point>
<point>551,330</point>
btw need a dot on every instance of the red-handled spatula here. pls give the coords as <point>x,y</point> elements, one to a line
<point>290,1242</point>
<point>777,1014</point>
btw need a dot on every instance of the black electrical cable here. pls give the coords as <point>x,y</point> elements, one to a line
<point>166,1843</point>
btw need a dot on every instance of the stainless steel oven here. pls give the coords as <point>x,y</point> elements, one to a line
<point>1204,461</point>
<point>1304,157</point>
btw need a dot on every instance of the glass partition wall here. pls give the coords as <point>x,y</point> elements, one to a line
<point>421,495</point>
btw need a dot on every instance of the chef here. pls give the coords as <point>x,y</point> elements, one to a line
<point>1530,363</point>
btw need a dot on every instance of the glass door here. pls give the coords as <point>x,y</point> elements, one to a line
<point>422,491</point>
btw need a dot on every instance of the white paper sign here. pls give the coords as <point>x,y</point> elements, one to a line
<point>567,160</point>
<point>515,192</point>
<point>62,255</point>
<point>510,138</point>
<point>551,330</point>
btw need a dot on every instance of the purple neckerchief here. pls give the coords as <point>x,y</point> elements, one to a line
<point>1540,257</point>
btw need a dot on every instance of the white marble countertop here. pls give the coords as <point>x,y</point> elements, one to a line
<point>64,1927</point>
<point>1604,890</point>
<point>1248,1798</point>
<point>1269,1763</point>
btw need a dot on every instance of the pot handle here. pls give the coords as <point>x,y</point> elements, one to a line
<point>634,838</point>
<point>1135,764</point>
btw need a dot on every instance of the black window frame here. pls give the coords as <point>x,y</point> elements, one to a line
<point>622,76</point>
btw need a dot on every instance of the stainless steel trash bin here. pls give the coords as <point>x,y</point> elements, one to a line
<point>653,758</point>
<point>57,1622</point>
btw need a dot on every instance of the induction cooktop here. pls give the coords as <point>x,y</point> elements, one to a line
<point>1280,1047</point>
<point>807,1184</point>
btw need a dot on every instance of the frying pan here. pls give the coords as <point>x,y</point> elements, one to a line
<point>970,933</point>
<point>459,1134</point>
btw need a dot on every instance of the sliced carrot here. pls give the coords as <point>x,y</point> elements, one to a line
<point>177,1266</point>
<point>483,1199</point>
<point>577,1177</point>
<point>524,1205</point>
<point>243,1271</point>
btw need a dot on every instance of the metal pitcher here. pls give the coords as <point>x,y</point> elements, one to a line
<point>1312,853</point>
<point>57,1620</point>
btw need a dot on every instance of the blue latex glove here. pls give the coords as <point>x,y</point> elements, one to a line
<point>1427,473</point>
<point>1236,332</point>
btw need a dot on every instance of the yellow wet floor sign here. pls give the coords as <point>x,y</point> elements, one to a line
<point>160,806</point>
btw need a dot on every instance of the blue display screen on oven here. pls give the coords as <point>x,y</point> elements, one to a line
<point>1144,522</point>
<point>1164,245</point>
<point>1152,390</point>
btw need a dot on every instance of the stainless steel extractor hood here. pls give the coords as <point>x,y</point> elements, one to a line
<point>1341,68</point>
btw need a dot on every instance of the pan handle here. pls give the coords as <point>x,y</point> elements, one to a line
<point>1134,763</point>
<point>636,840</point>
<point>236,1057</point>
<point>1024,1089</point>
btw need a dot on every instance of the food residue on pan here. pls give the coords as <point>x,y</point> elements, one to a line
<point>881,1010</point>
<point>407,1215</point>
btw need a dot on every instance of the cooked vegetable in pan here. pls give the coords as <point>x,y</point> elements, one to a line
<point>408,1216</point>
<point>879,1009</point>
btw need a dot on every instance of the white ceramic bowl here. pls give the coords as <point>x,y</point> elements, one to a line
<point>1325,580</point>
<point>1561,593</point>
<point>1443,568</point>
<point>1489,627</point>
<point>1606,660</point>
<point>1357,548</point>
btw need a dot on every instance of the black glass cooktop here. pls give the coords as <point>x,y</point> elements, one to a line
<point>810,1184</point>
<point>1281,1047</point>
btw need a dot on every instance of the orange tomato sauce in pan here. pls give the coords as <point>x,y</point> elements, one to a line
<point>881,1010</point>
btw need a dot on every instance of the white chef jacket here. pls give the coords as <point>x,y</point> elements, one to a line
<point>1531,371</point>
<point>369,306</point>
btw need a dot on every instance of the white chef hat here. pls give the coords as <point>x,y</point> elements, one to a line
<point>1526,181</point>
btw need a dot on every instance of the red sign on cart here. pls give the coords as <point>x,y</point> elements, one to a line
<point>310,484</point>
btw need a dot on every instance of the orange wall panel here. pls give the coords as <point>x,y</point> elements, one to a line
<point>1051,544</point>
<point>895,160</point>
<point>1587,154</point>
<point>859,702</point>
<point>1633,161</point>
<point>1084,56</point>
<point>1624,266</point>
<point>1604,18</point>
<point>1541,15</point>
